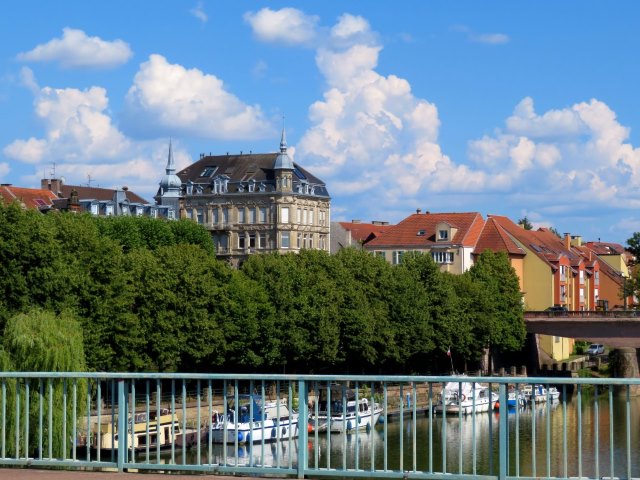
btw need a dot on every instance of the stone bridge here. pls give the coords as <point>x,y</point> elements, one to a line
<point>618,328</point>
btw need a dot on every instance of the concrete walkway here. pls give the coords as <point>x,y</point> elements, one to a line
<point>32,474</point>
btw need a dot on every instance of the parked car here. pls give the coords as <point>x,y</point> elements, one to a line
<point>595,349</point>
<point>557,310</point>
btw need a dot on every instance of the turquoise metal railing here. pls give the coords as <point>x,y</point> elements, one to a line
<point>315,426</point>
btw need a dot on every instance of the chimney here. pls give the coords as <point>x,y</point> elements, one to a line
<point>567,241</point>
<point>355,221</point>
<point>576,240</point>
<point>418,211</point>
<point>53,184</point>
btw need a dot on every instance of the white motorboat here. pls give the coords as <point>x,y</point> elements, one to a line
<point>467,397</point>
<point>272,421</point>
<point>539,393</point>
<point>346,417</point>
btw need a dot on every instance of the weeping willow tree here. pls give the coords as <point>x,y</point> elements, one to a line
<point>39,414</point>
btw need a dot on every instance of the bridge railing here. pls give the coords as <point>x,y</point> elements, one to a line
<point>583,313</point>
<point>281,425</point>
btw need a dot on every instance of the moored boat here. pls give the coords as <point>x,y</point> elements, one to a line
<point>254,422</point>
<point>466,397</point>
<point>343,413</point>
<point>144,432</point>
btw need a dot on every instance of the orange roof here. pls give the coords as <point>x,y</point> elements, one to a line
<point>29,197</point>
<point>96,193</point>
<point>604,248</point>
<point>496,239</point>
<point>543,242</point>
<point>419,230</point>
<point>363,232</point>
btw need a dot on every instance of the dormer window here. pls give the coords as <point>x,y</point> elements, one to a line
<point>252,185</point>
<point>443,234</point>
<point>240,187</point>
<point>262,187</point>
<point>189,187</point>
<point>421,233</point>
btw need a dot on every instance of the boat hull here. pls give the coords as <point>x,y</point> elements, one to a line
<point>269,430</point>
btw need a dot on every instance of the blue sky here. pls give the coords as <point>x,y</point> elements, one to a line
<point>508,108</point>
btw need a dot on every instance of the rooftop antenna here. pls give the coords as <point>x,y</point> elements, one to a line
<point>88,179</point>
<point>53,170</point>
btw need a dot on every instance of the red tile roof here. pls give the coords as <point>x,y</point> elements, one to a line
<point>496,239</point>
<point>29,197</point>
<point>406,233</point>
<point>95,193</point>
<point>542,242</point>
<point>364,232</point>
<point>604,248</point>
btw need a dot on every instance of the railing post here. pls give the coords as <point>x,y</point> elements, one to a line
<point>303,416</point>
<point>122,424</point>
<point>503,432</point>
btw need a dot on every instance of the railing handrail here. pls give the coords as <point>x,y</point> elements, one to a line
<point>323,378</point>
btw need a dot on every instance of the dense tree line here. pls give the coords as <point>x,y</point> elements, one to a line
<point>151,296</point>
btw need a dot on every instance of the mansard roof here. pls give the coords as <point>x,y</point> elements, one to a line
<point>244,168</point>
<point>419,230</point>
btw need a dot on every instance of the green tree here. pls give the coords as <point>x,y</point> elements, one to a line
<point>526,224</point>
<point>633,246</point>
<point>40,341</point>
<point>498,303</point>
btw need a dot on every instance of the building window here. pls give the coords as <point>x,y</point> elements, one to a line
<point>242,241</point>
<point>563,293</point>
<point>581,277</point>
<point>322,217</point>
<point>299,240</point>
<point>581,295</point>
<point>443,234</point>
<point>262,240</point>
<point>252,215</point>
<point>216,216</point>
<point>322,242</point>
<point>396,257</point>
<point>263,215</point>
<point>94,209</point>
<point>442,257</point>
<point>304,216</point>
<point>284,215</point>
<point>310,217</point>
<point>596,278</point>
<point>252,240</point>
<point>200,216</point>
<point>299,216</point>
<point>381,254</point>
<point>284,240</point>
<point>252,185</point>
<point>241,216</point>
<point>109,210</point>
<point>225,215</point>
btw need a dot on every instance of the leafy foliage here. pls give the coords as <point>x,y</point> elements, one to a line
<point>150,296</point>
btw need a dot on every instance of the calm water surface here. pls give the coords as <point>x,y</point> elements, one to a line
<point>537,439</point>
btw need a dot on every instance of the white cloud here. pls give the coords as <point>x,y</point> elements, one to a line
<point>199,13</point>
<point>76,50</point>
<point>77,128</point>
<point>370,135</point>
<point>4,169</point>
<point>171,98</point>
<point>28,80</point>
<point>287,25</point>
<point>487,38</point>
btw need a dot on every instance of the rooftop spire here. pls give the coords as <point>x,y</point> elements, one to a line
<point>283,139</point>
<point>171,166</point>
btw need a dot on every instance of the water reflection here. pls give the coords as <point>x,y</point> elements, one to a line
<point>544,440</point>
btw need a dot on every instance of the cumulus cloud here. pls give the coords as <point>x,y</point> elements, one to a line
<point>287,25</point>
<point>77,50</point>
<point>199,13</point>
<point>170,98</point>
<point>578,154</point>
<point>369,134</point>
<point>77,128</point>
<point>4,169</point>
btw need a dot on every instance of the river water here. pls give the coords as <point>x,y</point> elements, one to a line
<point>537,439</point>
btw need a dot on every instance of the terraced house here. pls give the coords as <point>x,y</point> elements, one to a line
<point>251,203</point>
